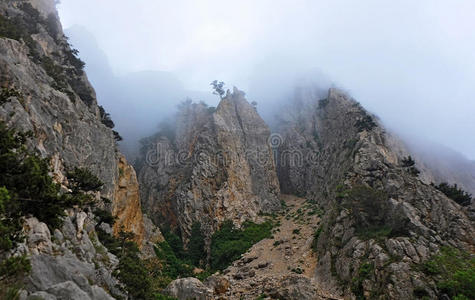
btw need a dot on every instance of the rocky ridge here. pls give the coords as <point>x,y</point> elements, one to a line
<point>52,98</point>
<point>209,167</point>
<point>357,157</point>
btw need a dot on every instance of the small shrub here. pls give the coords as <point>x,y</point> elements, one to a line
<point>31,190</point>
<point>106,118</point>
<point>316,235</point>
<point>172,266</point>
<point>117,136</point>
<point>7,93</point>
<point>174,241</point>
<point>296,231</point>
<point>163,297</point>
<point>82,179</point>
<point>211,110</point>
<point>364,272</point>
<point>132,271</point>
<point>52,26</point>
<point>408,162</point>
<point>12,272</point>
<point>368,206</point>
<point>454,271</point>
<point>105,216</point>
<point>365,124</point>
<point>297,270</point>
<point>455,193</point>
<point>323,103</point>
<point>196,246</point>
<point>218,88</point>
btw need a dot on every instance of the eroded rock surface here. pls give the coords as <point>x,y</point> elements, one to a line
<point>215,165</point>
<point>52,98</point>
<point>354,152</point>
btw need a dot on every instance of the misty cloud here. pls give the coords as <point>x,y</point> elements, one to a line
<point>410,62</point>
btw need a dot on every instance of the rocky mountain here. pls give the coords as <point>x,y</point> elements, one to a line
<point>379,225</point>
<point>142,88</point>
<point>378,214</point>
<point>214,164</point>
<point>441,164</point>
<point>47,93</point>
<point>330,206</point>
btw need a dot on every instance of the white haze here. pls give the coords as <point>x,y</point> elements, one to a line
<point>410,62</point>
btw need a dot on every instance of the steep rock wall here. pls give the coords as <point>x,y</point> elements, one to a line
<point>52,98</point>
<point>213,166</point>
<point>355,153</point>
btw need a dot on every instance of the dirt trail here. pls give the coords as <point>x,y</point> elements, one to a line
<point>283,264</point>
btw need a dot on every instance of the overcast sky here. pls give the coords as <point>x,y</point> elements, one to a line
<point>410,62</point>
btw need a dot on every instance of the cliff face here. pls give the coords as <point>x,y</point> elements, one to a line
<point>358,176</point>
<point>215,165</point>
<point>49,95</point>
<point>56,102</point>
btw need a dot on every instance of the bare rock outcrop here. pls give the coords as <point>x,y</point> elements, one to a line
<point>212,166</point>
<point>126,205</point>
<point>45,91</point>
<point>71,263</point>
<point>379,216</point>
<point>54,100</point>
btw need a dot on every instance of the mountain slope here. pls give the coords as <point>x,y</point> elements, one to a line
<point>206,168</point>
<point>379,214</point>
<point>46,92</point>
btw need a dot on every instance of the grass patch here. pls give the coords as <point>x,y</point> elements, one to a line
<point>364,272</point>
<point>454,271</point>
<point>229,242</point>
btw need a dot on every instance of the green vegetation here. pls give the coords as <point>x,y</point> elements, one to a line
<point>8,29</point>
<point>105,117</point>
<point>21,27</point>
<point>7,93</point>
<point>117,136</point>
<point>218,88</point>
<point>455,193</point>
<point>104,216</point>
<point>322,103</point>
<point>211,110</point>
<point>172,267</point>
<point>26,178</point>
<point>163,297</point>
<point>56,72</point>
<point>365,124</point>
<point>454,271</point>
<point>229,242</point>
<point>81,179</point>
<point>132,271</point>
<point>297,270</point>
<point>174,241</point>
<point>196,245</point>
<point>369,209</point>
<point>364,272</point>
<point>26,188</point>
<point>176,262</point>
<point>12,272</point>
<point>316,235</point>
<point>409,164</point>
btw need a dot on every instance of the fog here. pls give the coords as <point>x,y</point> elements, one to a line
<point>410,62</point>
